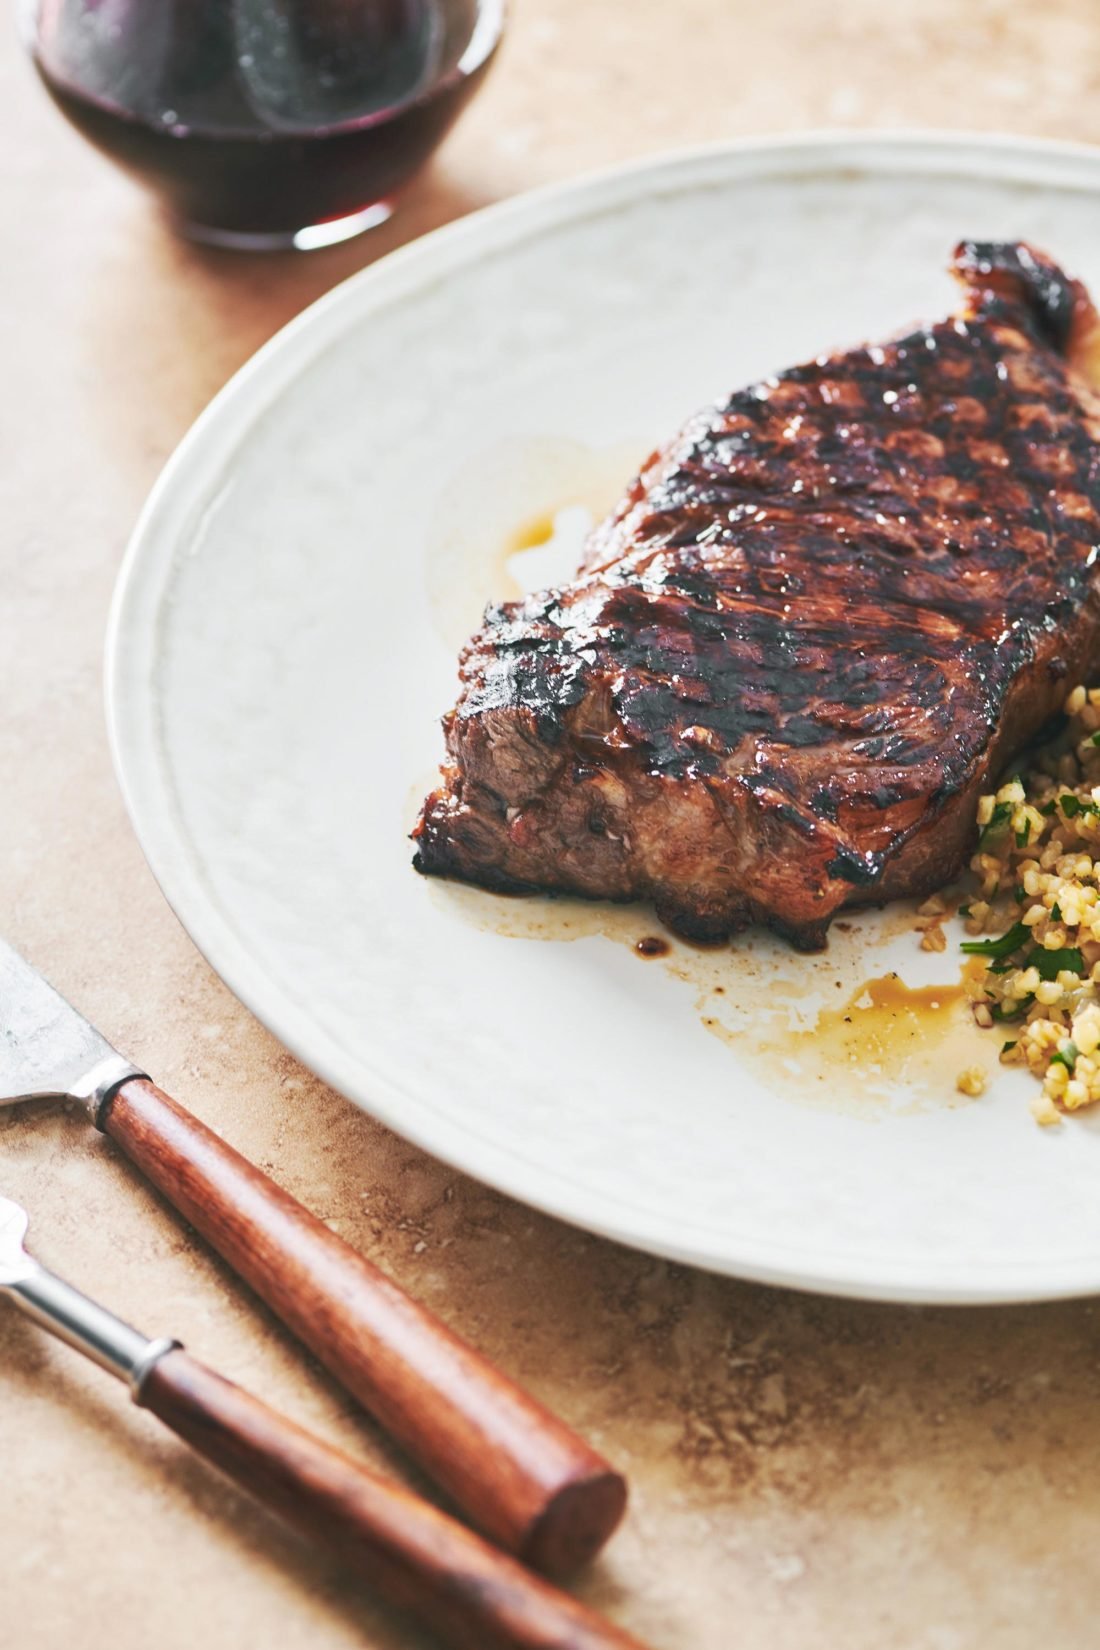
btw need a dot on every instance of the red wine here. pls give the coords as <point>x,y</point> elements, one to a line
<point>256,118</point>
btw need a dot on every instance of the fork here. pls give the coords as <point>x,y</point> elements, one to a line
<point>417,1557</point>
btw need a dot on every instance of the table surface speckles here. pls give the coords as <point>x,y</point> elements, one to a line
<point>805,1472</point>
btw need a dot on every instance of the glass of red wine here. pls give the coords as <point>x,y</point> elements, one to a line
<point>265,123</point>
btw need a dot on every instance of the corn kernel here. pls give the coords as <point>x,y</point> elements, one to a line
<point>1043,1109</point>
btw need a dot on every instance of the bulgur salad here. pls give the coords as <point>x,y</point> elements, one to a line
<point>1036,977</point>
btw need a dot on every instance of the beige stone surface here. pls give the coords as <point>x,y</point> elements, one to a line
<point>805,1473</point>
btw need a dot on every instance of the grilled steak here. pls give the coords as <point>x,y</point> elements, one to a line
<point>819,622</point>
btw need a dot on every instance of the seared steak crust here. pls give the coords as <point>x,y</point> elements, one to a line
<point>815,626</point>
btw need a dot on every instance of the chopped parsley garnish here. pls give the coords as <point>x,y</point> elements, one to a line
<point>1066,1056</point>
<point>1071,805</point>
<point>1006,1048</point>
<point>1052,963</point>
<point>1056,912</point>
<point>1003,945</point>
<point>998,819</point>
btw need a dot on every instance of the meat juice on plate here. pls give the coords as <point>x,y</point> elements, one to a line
<point>839,1030</point>
<point>256,121</point>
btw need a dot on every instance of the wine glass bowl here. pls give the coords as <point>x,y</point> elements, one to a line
<point>265,123</point>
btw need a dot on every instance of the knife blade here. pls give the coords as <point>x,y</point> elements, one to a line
<point>520,1473</point>
<point>47,1049</point>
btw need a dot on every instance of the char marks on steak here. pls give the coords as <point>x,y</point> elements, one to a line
<point>818,624</point>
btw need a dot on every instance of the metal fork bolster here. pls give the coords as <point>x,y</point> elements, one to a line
<point>73,1317</point>
<point>96,1087</point>
<point>154,1352</point>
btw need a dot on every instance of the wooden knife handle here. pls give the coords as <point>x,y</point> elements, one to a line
<point>519,1473</point>
<point>415,1556</point>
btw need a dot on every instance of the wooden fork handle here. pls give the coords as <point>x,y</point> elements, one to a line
<point>415,1556</point>
<point>519,1473</point>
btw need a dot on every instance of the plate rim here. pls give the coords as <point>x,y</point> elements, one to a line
<point>203,452</point>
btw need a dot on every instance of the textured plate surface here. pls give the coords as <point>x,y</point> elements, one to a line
<point>284,640</point>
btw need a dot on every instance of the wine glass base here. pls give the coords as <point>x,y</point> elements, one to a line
<point>310,238</point>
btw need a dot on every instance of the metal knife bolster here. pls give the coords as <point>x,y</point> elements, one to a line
<point>96,1087</point>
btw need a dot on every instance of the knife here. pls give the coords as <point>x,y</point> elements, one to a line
<point>518,1472</point>
<point>417,1557</point>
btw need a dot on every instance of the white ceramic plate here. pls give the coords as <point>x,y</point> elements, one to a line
<point>284,640</point>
